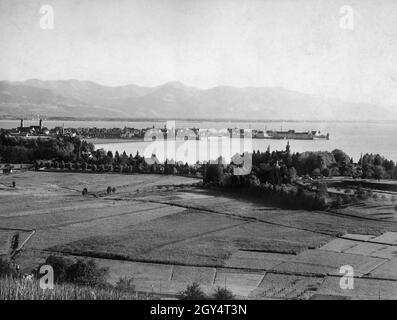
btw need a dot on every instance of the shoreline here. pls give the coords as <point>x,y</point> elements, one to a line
<point>100,141</point>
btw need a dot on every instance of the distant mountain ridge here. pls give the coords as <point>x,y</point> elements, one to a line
<point>75,98</point>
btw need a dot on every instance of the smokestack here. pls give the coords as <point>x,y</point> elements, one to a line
<point>40,123</point>
<point>21,123</point>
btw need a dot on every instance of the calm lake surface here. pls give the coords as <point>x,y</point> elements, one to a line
<point>352,137</point>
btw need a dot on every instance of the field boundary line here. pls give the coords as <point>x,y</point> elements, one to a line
<point>24,242</point>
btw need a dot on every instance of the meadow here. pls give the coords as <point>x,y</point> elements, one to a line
<point>166,231</point>
<point>20,289</point>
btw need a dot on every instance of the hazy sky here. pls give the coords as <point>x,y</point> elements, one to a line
<point>294,44</point>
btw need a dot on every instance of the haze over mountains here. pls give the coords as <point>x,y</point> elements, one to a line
<point>74,98</point>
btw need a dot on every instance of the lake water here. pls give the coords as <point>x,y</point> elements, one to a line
<point>354,138</point>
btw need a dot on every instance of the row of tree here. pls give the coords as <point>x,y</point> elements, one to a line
<point>27,150</point>
<point>323,163</point>
<point>275,167</point>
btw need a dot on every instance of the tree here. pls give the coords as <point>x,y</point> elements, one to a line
<point>60,266</point>
<point>325,172</point>
<point>86,272</point>
<point>322,190</point>
<point>84,192</point>
<point>338,202</point>
<point>15,242</point>
<point>109,190</point>
<point>379,172</point>
<point>316,172</point>
<point>117,157</point>
<point>6,268</point>
<point>192,292</point>
<point>222,294</point>
<point>125,284</point>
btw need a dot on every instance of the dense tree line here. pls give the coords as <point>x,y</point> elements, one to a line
<point>275,167</point>
<point>320,163</point>
<point>25,150</point>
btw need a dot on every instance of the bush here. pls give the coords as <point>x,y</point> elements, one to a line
<point>363,195</point>
<point>60,265</point>
<point>222,294</point>
<point>15,242</point>
<point>354,199</point>
<point>7,269</point>
<point>80,272</point>
<point>192,292</point>
<point>21,289</point>
<point>86,273</point>
<point>84,192</point>
<point>338,202</point>
<point>125,285</point>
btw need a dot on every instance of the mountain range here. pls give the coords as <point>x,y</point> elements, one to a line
<point>174,100</point>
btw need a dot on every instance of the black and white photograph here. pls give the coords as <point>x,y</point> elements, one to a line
<point>224,151</point>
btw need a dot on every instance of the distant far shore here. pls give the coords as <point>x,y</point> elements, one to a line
<point>97,141</point>
<point>32,118</point>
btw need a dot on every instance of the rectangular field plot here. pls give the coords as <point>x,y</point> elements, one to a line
<point>388,238</point>
<point>193,274</point>
<point>138,241</point>
<point>389,252</point>
<point>4,242</point>
<point>256,260</point>
<point>123,218</point>
<point>237,278</point>
<point>361,264</point>
<point>339,245</point>
<point>136,270</point>
<point>286,286</point>
<point>388,270</point>
<point>301,268</point>
<point>366,249</point>
<point>364,288</point>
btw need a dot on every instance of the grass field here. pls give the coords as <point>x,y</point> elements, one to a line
<point>19,289</point>
<point>158,227</point>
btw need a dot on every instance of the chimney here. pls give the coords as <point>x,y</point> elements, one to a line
<point>40,123</point>
<point>21,123</point>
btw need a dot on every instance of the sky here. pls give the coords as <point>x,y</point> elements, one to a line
<point>309,46</point>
